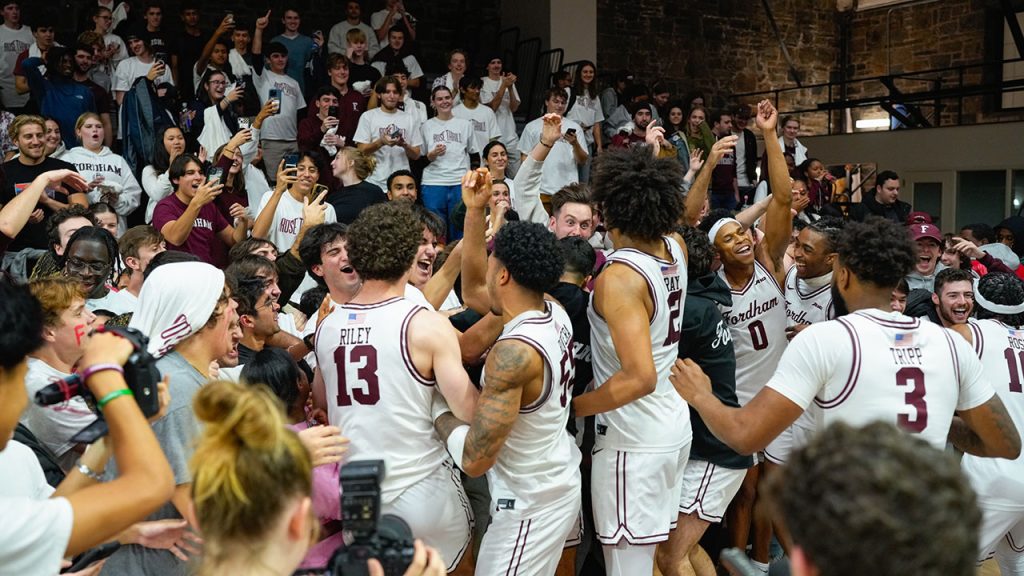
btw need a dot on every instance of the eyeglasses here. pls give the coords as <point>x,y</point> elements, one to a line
<point>218,82</point>
<point>78,265</point>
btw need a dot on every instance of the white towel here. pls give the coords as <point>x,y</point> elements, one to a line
<point>175,302</point>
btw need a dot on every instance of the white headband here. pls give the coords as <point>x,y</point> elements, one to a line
<point>713,233</point>
<point>992,306</point>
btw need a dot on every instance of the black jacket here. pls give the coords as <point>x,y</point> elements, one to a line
<point>897,212</point>
<point>706,340</point>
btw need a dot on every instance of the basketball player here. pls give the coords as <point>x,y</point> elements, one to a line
<point>873,364</point>
<point>518,435</point>
<point>643,433</point>
<point>998,339</point>
<point>757,316</point>
<point>381,357</point>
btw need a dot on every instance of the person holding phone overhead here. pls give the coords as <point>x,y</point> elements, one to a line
<point>280,132</point>
<point>282,210</point>
<point>567,153</point>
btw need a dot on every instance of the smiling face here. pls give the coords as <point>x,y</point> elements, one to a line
<point>324,103</point>
<point>72,335</point>
<point>107,221</point>
<point>812,255</point>
<point>494,68</point>
<point>423,265</point>
<point>457,64</point>
<point>675,116</point>
<point>51,139</point>
<point>403,188</point>
<point>83,61</point>
<point>137,47</point>
<point>499,195</point>
<point>928,252</point>
<point>442,100</point>
<point>240,39</point>
<point>90,134</point>
<point>587,74</point>
<point>497,159</point>
<point>791,129</point>
<point>219,56</point>
<point>735,247</point>
<point>555,104</point>
<point>222,337</point>
<point>291,21</point>
<point>31,142</point>
<point>307,174</point>
<point>88,262</point>
<point>190,181</point>
<point>216,85</point>
<point>696,118</point>
<point>336,270</point>
<point>339,74</point>
<point>954,303</point>
<point>278,61</point>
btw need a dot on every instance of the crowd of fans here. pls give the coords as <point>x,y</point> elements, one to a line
<point>244,201</point>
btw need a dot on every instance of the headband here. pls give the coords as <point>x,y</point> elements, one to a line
<point>993,307</point>
<point>713,233</point>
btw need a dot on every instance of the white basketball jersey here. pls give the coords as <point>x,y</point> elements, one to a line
<point>757,323</point>
<point>808,302</point>
<point>873,365</point>
<point>660,421</point>
<point>374,393</point>
<point>539,463</point>
<point>1000,482</point>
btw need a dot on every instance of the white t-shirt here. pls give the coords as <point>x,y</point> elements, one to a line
<point>457,136</point>
<point>132,68</point>
<point>415,108</point>
<point>375,122</point>
<point>587,111</point>
<point>413,65</point>
<point>506,122</point>
<point>12,43</point>
<point>283,125</point>
<point>485,123</point>
<point>560,166</point>
<point>377,19</point>
<point>36,529</point>
<point>337,41</point>
<point>284,228</point>
<point>54,425</point>
<point>116,302</point>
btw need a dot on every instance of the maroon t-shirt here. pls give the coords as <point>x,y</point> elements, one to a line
<point>202,240</point>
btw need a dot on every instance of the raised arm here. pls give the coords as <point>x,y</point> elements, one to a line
<point>285,178</point>
<point>779,223</point>
<point>476,190</point>
<point>225,27</point>
<point>15,214</point>
<point>442,282</point>
<point>510,366</point>
<point>619,296</point>
<point>699,190</point>
<point>257,40</point>
<point>177,231</point>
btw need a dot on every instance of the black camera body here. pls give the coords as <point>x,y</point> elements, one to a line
<point>384,537</point>
<point>140,374</point>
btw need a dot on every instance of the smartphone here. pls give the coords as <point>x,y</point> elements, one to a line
<point>332,111</point>
<point>319,189</point>
<point>215,172</point>
<point>240,84</point>
<point>396,133</point>
<point>570,131</point>
<point>229,16</point>
<point>244,123</point>
<point>291,160</point>
<point>275,95</point>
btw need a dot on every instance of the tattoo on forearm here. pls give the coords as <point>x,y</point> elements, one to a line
<point>499,403</point>
<point>446,424</point>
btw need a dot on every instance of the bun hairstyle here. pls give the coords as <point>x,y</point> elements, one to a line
<point>246,468</point>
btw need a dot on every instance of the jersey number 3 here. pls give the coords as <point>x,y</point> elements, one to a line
<point>913,378</point>
<point>366,389</point>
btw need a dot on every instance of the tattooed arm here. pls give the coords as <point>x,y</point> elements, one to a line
<point>511,365</point>
<point>986,430</point>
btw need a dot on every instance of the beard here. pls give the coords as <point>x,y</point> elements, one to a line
<point>838,302</point>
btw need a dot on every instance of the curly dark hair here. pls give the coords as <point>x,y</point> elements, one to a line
<point>830,228</point>
<point>430,220</point>
<point>877,251</point>
<point>947,275</point>
<point>383,240</point>
<point>1000,288</point>
<point>61,216</point>
<point>699,252</point>
<point>21,324</point>
<point>852,492</point>
<point>530,253</point>
<point>637,193</point>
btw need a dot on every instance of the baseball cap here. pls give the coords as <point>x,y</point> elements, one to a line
<point>920,218</point>
<point>922,231</point>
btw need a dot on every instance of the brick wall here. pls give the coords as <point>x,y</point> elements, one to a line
<point>728,47</point>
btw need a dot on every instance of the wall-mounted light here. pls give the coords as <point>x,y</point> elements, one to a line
<point>865,123</point>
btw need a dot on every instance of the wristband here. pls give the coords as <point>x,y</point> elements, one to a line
<point>89,473</point>
<point>545,145</point>
<point>457,443</point>
<point>113,396</point>
<point>95,368</point>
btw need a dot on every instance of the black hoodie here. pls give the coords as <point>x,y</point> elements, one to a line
<point>897,211</point>
<point>706,340</point>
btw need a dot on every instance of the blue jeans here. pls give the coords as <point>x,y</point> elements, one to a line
<point>443,200</point>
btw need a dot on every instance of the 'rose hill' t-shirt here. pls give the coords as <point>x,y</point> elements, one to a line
<point>202,240</point>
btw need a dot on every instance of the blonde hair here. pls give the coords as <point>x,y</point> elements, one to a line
<point>246,468</point>
<point>363,164</point>
<point>355,35</point>
<point>24,120</point>
<point>81,121</point>
<point>55,294</point>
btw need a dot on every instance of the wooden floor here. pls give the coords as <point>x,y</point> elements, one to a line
<point>989,568</point>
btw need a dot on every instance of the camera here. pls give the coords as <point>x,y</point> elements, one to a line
<point>384,537</point>
<point>140,374</point>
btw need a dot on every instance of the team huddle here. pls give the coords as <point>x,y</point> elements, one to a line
<point>712,363</point>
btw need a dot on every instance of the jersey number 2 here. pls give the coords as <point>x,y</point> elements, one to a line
<point>674,321</point>
<point>369,392</point>
<point>913,378</point>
